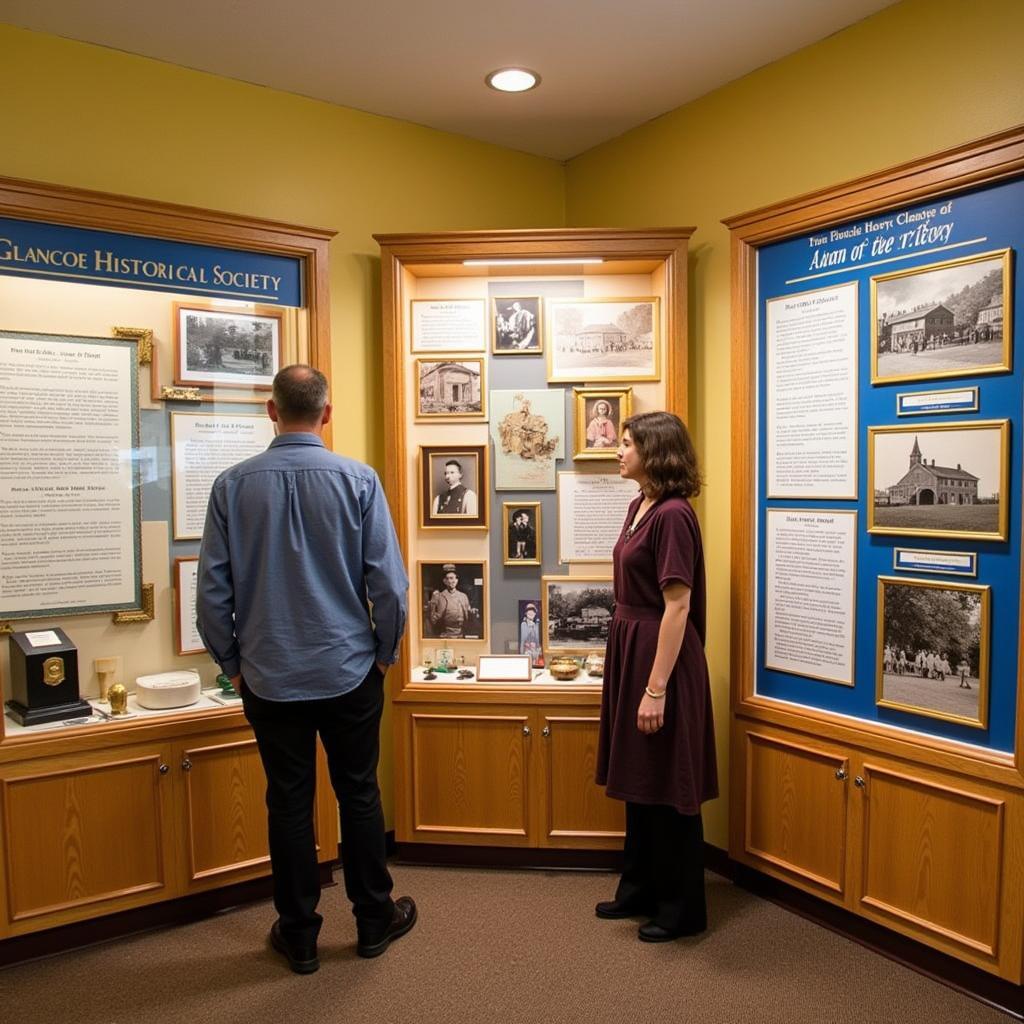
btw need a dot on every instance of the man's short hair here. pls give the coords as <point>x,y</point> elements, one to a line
<point>455,463</point>
<point>300,393</point>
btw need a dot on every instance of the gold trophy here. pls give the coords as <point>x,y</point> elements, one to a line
<point>118,697</point>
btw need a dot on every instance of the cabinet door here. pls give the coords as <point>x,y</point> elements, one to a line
<point>574,810</point>
<point>796,811</point>
<point>469,775</point>
<point>934,862</point>
<point>86,834</point>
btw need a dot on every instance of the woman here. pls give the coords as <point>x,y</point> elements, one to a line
<point>529,633</point>
<point>601,429</point>
<point>657,742</point>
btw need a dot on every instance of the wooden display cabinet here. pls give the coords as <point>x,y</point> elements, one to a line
<point>918,833</point>
<point>501,764</point>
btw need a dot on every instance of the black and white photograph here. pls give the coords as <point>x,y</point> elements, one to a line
<point>948,319</point>
<point>451,389</point>
<point>516,325</point>
<point>453,487</point>
<point>933,649</point>
<point>602,339</point>
<point>453,600</point>
<point>522,532</point>
<point>600,413</point>
<point>939,480</point>
<point>216,348</point>
<point>577,613</point>
<point>531,630</point>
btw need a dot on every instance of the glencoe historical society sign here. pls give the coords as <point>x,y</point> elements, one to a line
<point>131,261</point>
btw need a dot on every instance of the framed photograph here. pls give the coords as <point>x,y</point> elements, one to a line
<point>940,479</point>
<point>530,630</point>
<point>186,635</point>
<point>933,649</point>
<point>451,388</point>
<point>521,529</point>
<point>600,413</point>
<point>577,613</point>
<point>951,319</point>
<point>516,325</point>
<point>504,668</point>
<point>453,601</point>
<point>448,325</point>
<point>226,348</point>
<point>603,339</point>
<point>453,487</point>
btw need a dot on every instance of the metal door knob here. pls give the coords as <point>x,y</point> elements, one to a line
<point>526,730</point>
<point>546,731</point>
<point>841,774</point>
<point>859,781</point>
<point>164,769</point>
<point>186,765</point>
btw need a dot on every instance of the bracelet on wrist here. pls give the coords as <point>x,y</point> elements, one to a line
<point>656,694</point>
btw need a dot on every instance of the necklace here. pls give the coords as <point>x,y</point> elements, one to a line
<point>641,516</point>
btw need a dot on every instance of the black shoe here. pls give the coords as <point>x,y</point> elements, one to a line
<point>301,959</point>
<point>402,921</point>
<point>652,932</point>
<point>615,909</point>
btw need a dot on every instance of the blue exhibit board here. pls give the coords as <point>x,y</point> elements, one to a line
<point>889,385</point>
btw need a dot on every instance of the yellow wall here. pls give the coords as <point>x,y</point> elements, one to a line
<point>96,118</point>
<point>919,77</point>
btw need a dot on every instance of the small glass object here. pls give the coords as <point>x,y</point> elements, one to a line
<point>428,663</point>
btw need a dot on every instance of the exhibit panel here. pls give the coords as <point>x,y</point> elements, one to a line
<point>138,342</point>
<point>511,361</point>
<point>877,418</point>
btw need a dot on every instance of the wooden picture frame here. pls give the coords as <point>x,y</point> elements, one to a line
<point>524,545</point>
<point>463,468</point>
<point>185,577</point>
<point>517,325</point>
<point>597,435</point>
<point>449,390</point>
<point>575,633</point>
<point>246,344</point>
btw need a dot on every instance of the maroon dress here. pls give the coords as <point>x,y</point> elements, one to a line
<point>676,765</point>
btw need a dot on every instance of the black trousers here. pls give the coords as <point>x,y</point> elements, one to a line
<point>663,869</point>
<point>349,728</point>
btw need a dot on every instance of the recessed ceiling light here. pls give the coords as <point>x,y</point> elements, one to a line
<point>513,80</point>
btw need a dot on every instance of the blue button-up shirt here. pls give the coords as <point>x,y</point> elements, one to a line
<point>301,580</point>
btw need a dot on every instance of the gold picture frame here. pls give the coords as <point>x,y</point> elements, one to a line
<point>585,352</point>
<point>921,339</point>
<point>434,473</point>
<point>447,399</point>
<point>921,681</point>
<point>921,503</point>
<point>604,443</point>
<point>516,545</point>
<point>517,325</point>
<point>475,571</point>
<point>559,631</point>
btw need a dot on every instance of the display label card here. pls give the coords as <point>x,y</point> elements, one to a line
<point>449,325</point>
<point>43,638</point>
<point>924,403</point>
<point>591,510</point>
<point>950,563</point>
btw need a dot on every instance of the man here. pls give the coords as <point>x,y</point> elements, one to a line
<point>449,610</point>
<point>298,547</point>
<point>458,500</point>
<point>521,326</point>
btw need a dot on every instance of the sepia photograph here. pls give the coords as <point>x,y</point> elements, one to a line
<point>950,319</point>
<point>453,486</point>
<point>522,532</point>
<point>453,600</point>
<point>530,631</point>
<point>577,613</point>
<point>600,413</point>
<point>451,389</point>
<point>602,339</point>
<point>516,325</point>
<point>933,649</point>
<point>233,349</point>
<point>939,480</point>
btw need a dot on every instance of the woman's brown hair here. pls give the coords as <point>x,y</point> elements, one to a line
<point>666,452</point>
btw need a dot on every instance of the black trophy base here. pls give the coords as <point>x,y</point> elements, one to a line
<point>54,713</point>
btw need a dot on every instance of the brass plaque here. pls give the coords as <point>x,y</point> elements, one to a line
<point>53,671</point>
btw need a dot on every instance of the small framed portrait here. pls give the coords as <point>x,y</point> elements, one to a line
<point>217,348</point>
<point>600,413</point>
<point>950,319</point>
<point>609,339</point>
<point>933,649</point>
<point>516,325</point>
<point>451,388</point>
<point>453,601</point>
<point>521,528</point>
<point>577,613</point>
<point>940,479</point>
<point>453,487</point>
<point>531,630</point>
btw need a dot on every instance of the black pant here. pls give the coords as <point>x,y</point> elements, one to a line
<point>349,727</point>
<point>663,868</point>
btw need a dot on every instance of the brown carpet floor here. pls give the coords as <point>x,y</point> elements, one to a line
<point>496,947</point>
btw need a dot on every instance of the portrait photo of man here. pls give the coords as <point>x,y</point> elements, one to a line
<point>454,486</point>
<point>522,533</point>
<point>516,325</point>
<point>453,600</point>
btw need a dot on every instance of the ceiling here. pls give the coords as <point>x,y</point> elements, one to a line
<point>606,65</point>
